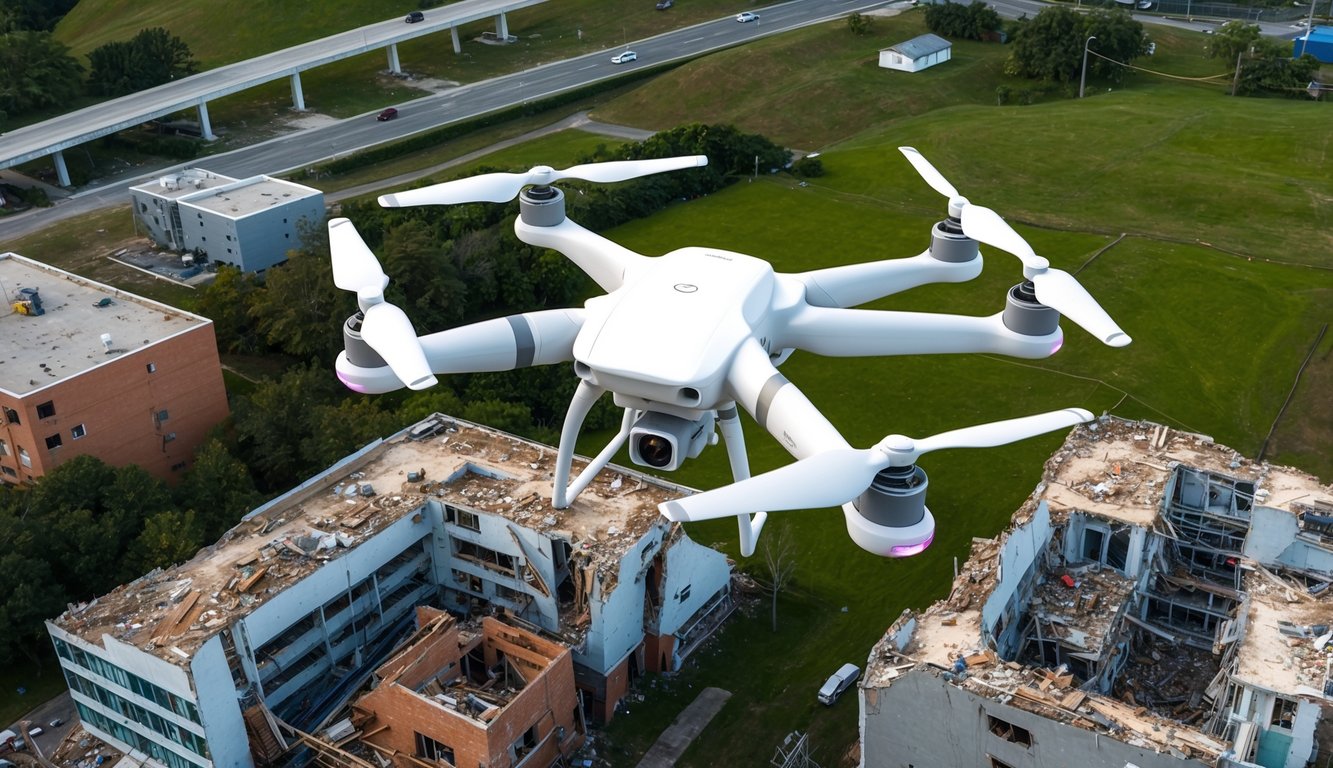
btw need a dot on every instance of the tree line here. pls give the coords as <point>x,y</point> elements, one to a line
<point>86,527</point>
<point>38,72</point>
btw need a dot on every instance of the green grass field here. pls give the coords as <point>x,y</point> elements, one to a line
<point>1224,280</point>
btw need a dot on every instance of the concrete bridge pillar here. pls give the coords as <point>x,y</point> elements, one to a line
<point>205,127</point>
<point>394,66</point>
<point>62,172</point>
<point>502,27</point>
<point>453,32</point>
<point>298,96</point>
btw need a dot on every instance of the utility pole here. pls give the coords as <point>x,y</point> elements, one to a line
<point>1235,82</point>
<point>1083,71</point>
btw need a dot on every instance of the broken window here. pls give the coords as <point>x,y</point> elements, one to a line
<point>53,441</point>
<point>684,593</point>
<point>1009,732</point>
<point>1284,713</point>
<point>12,416</point>
<point>1093,540</point>
<point>468,520</point>
<point>46,410</point>
<point>1117,549</point>
<point>433,750</point>
<point>996,762</point>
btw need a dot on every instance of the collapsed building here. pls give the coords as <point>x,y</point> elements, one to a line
<point>255,644</point>
<point>1158,601</point>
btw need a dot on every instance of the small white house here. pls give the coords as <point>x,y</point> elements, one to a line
<point>916,54</point>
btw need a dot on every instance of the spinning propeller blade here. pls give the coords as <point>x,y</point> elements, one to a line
<point>836,477</point>
<point>503,187</point>
<point>928,173</point>
<point>385,327</point>
<point>1055,288</point>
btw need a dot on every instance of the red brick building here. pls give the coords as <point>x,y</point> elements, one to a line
<point>89,369</point>
<point>494,695</point>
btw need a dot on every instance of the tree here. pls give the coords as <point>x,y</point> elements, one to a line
<point>1119,38</point>
<point>970,22</point>
<point>859,24</point>
<point>1049,46</point>
<point>429,290</point>
<point>1271,70</point>
<point>168,537</point>
<point>36,71</point>
<point>780,560</point>
<point>300,309</point>
<point>153,57</point>
<point>227,302</point>
<point>29,591</point>
<point>36,15</point>
<point>218,488</point>
<point>272,423</point>
<point>1232,39</point>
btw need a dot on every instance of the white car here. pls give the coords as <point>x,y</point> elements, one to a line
<point>624,58</point>
<point>838,682</point>
<point>747,16</point>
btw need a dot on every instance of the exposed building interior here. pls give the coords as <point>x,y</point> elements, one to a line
<point>1157,589</point>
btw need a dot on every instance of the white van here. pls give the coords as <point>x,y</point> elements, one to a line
<point>839,682</point>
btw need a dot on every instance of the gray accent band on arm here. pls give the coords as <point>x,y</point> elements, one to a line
<point>525,350</point>
<point>770,390</point>
<point>727,414</point>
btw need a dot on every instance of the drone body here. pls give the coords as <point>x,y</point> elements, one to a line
<point>685,340</point>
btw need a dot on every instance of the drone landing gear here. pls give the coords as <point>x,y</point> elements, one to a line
<point>730,423</point>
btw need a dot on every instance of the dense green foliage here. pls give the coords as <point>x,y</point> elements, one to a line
<point>37,15</point>
<point>36,71</point>
<point>1050,46</point>
<point>152,57</point>
<point>955,20</point>
<point>1271,70</point>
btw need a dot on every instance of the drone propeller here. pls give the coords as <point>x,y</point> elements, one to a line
<point>503,187</point>
<point>385,327</point>
<point>1054,288</point>
<point>835,477</point>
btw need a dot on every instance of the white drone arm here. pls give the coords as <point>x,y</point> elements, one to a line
<point>505,343</point>
<point>604,261</point>
<point>854,284</point>
<point>778,406</point>
<point>869,332</point>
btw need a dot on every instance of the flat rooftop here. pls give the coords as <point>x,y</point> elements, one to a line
<point>174,186</point>
<point>1116,470</point>
<point>249,196</point>
<point>38,351</point>
<point>172,612</point>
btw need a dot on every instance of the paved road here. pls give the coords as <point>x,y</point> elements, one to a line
<point>298,150</point>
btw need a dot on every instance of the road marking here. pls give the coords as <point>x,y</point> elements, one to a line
<point>590,66</point>
<point>695,40</point>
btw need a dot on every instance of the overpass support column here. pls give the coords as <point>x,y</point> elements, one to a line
<point>298,95</point>
<point>394,66</point>
<point>502,28</point>
<point>62,173</point>
<point>205,128</point>
<point>453,32</point>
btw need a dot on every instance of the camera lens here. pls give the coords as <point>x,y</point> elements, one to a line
<point>655,450</point>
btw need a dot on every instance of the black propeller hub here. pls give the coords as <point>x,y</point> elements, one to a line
<point>1025,292</point>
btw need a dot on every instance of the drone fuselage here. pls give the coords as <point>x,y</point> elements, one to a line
<point>671,333</point>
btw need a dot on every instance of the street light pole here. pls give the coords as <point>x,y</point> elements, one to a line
<point>1083,71</point>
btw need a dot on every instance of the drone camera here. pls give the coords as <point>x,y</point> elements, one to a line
<point>664,442</point>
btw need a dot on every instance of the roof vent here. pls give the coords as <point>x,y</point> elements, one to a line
<point>106,342</point>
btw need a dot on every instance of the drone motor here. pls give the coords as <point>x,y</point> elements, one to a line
<point>1024,314</point>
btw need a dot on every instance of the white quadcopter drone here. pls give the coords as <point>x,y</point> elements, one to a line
<point>682,339</point>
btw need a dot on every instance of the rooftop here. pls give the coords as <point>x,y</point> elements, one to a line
<point>249,196</point>
<point>172,612</point>
<point>39,350</point>
<point>183,184</point>
<point>1118,471</point>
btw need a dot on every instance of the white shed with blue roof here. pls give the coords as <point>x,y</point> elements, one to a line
<point>916,54</point>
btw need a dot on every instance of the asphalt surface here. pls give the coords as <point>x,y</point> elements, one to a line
<point>688,725</point>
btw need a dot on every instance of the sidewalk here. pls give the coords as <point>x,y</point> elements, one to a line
<point>688,725</point>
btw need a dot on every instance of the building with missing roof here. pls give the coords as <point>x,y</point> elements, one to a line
<point>1158,601</point>
<point>250,224</point>
<point>244,651</point>
<point>90,369</point>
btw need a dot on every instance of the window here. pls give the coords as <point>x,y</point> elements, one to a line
<point>683,594</point>
<point>1009,732</point>
<point>996,762</point>
<point>12,416</point>
<point>8,472</point>
<point>1093,539</point>
<point>1284,713</point>
<point>53,441</point>
<point>152,367</point>
<point>24,458</point>
<point>433,750</point>
<point>46,410</point>
<point>178,466</point>
<point>78,431</point>
<point>4,448</point>
<point>168,437</point>
<point>161,416</point>
<point>468,520</point>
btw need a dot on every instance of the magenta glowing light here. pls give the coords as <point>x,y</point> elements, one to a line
<point>1056,346</point>
<point>351,384</point>
<point>907,550</point>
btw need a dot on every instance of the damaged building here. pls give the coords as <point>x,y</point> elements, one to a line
<point>1158,601</point>
<point>239,654</point>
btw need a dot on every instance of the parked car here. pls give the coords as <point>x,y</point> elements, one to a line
<point>414,17</point>
<point>56,723</point>
<point>36,730</point>
<point>624,58</point>
<point>747,17</point>
<point>838,682</point>
<point>387,114</point>
<point>662,5</point>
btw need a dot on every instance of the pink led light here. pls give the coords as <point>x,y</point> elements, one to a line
<point>907,550</point>
<point>351,384</point>
<point>1056,346</point>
